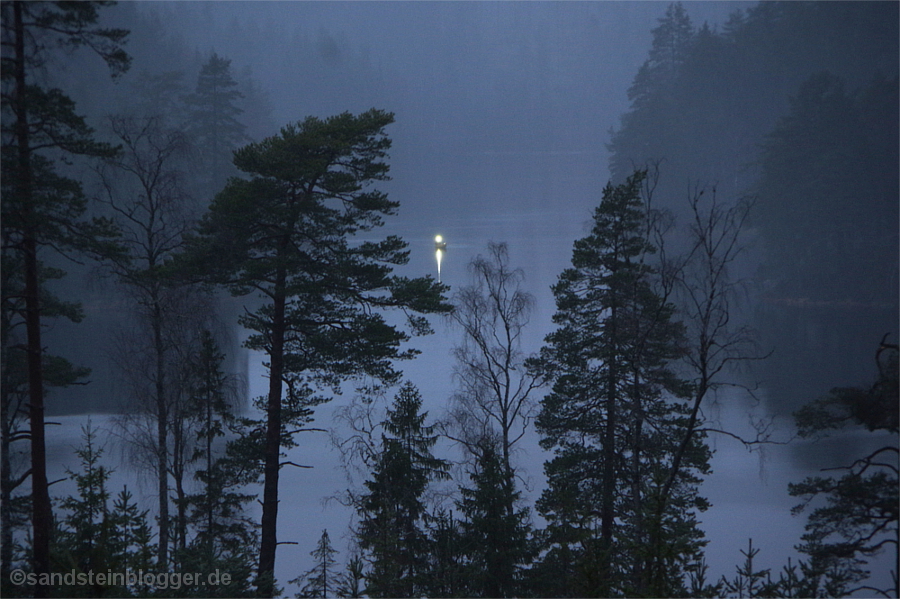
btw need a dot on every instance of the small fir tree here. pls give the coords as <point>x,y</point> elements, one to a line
<point>92,536</point>
<point>393,510</point>
<point>352,582</point>
<point>321,581</point>
<point>224,534</point>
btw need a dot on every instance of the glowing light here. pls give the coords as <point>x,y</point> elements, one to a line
<point>440,246</point>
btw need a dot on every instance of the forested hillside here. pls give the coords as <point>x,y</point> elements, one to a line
<point>792,105</point>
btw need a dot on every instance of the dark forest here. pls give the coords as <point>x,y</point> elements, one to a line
<point>450,299</point>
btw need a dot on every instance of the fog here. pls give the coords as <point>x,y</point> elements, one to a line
<point>505,114</point>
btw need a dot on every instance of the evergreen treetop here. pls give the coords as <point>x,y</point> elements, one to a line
<point>393,510</point>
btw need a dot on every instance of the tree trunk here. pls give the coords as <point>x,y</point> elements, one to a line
<point>638,581</point>
<point>162,417</point>
<point>42,514</point>
<point>178,468</point>
<point>609,457</point>
<point>272,456</point>
<point>210,395</point>
<point>6,533</point>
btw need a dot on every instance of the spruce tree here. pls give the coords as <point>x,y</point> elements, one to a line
<point>321,580</point>
<point>392,512</point>
<point>94,536</point>
<point>214,120</point>
<point>352,582</point>
<point>614,413</point>
<point>224,536</point>
<point>672,40</point>
<point>448,575</point>
<point>496,541</point>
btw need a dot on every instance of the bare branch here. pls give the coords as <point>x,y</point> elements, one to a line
<point>288,463</point>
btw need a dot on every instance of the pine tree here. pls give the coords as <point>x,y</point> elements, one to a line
<point>47,207</point>
<point>321,580</point>
<point>393,510</point>
<point>285,234</point>
<point>57,372</point>
<point>857,515</point>
<point>614,413</point>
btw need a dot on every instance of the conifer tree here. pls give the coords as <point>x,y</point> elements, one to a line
<point>614,412</point>
<point>352,582</point>
<point>57,372</point>
<point>393,510</point>
<point>224,536</point>
<point>321,580</point>
<point>95,536</point>
<point>285,234</point>
<point>133,542</point>
<point>447,561</point>
<point>496,542</point>
<point>214,118</point>
<point>36,122</point>
<point>672,40</point>
<point>856,515</point>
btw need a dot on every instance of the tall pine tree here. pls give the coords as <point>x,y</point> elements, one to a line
<point>38,121</point>
<point>286,234</point>
<point>613,413</point>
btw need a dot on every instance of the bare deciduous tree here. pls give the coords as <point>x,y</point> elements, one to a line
<point>494,400</point>
<point>703,281</point>
<point>144,189</point>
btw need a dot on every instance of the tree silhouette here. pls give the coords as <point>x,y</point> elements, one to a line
<point>285,233</point>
